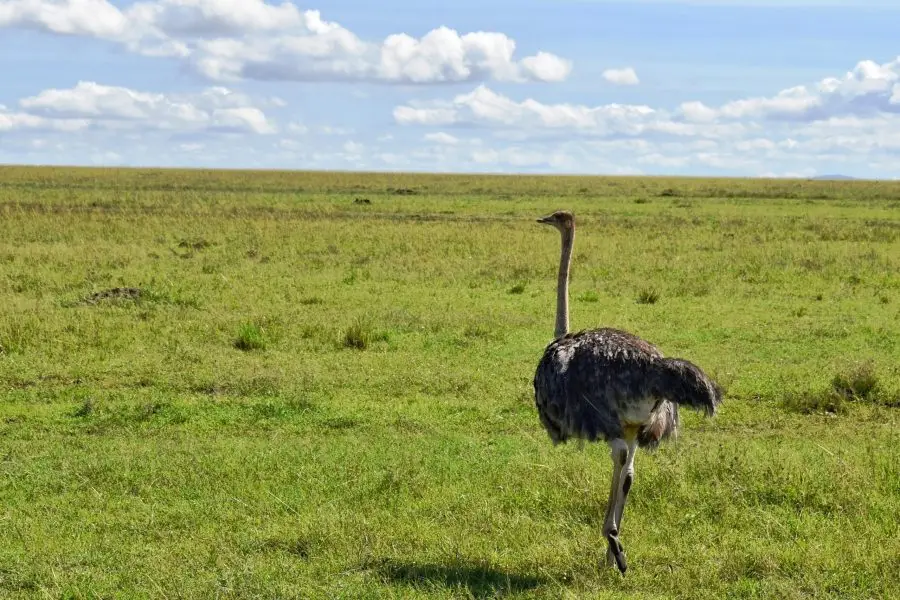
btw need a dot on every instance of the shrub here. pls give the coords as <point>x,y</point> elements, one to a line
<point>648,296</point>
<point>250,337</point>
<point>357,336</point>
<point>859,382</point>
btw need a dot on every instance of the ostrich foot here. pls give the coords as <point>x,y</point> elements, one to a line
<point>615,555</point>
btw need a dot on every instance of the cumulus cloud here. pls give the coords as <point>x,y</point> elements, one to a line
<point>868,97</point>
<point>626,76</point>
<point>16,120</point>
<point>485,107</point>
<point>847,122</point>
<point>547,67</point>
<point>101,106</point>
<point>869,89</point>
<point>96,18</point>
<point>12,120</point>
<point>253,39</point>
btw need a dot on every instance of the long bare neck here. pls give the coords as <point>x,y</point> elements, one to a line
<point>562,285</point>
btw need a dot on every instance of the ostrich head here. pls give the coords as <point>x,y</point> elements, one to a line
<point>563,220</point>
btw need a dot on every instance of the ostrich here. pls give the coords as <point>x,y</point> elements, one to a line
<point>609,384</point>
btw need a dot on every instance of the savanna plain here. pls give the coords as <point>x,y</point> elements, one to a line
<point>318,385</point>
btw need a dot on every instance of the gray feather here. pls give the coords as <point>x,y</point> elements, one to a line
<point>586,380</point>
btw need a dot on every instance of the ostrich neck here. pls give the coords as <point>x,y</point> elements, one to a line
<point>562,286</point>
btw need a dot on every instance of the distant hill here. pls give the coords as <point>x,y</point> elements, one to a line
<point>833,177</point>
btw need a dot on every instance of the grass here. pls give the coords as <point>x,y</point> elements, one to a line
<point>647,297</point>
<point>357,336</point>
<point>375,435</point>
<point>250,337</point>
<point>860,382</point>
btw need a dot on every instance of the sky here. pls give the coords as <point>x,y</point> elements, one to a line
<point>760,88</point>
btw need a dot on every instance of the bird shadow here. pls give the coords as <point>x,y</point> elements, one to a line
<point>480,581</point>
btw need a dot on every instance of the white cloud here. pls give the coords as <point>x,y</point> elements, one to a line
<point>407,115</point>
<point>389,158</point>
<point>522,157</point>
<point>848,123</point>
<point>626,76</point>
<point>697,112</point>
<point>866,98</point>
<point>441,138</point>
<point>228,40</point>
<point>547,67</point>
<point>297,128</point>
<point>444,55</point>
<point>221,17</point>
<point>96,18</point>
<point>869,89</point>
<point>331,130</point>
<point>750,145</point>
<point>99,105</point>
<point>485,107</point>
<point>11,121</point>
<point>353,148</point>
<point>247,118</point>
<point>661,160</point>
<point>290,145</point>
<point>107,158</point>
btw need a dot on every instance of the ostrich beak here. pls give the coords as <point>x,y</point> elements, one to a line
<point>545,220</point>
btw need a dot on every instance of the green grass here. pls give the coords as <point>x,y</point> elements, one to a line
<point>250,337</point>
<point>648,297</point>
<point>312,397</point>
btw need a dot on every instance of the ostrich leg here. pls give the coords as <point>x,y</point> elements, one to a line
<point>615,555</point>
<point>626,478</point>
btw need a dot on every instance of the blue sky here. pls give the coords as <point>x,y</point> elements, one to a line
<point>756,88</point>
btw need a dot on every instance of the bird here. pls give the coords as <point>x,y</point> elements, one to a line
<point>611,385</point>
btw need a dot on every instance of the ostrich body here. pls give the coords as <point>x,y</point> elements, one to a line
<point>611,385</point>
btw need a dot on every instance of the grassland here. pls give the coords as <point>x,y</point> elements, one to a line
<point>310,396</point>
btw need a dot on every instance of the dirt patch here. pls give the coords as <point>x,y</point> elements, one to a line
<point>195,244</point>
<point>403,191</point>
<point>119,293</point>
